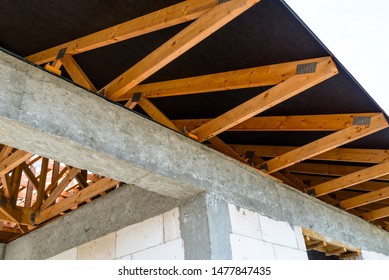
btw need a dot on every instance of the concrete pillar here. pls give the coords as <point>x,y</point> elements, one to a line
<point>2,249</point>
<point>205,228</point>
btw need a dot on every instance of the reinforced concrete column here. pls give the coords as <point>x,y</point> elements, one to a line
<point>2,248</point>
<point>205,228</point>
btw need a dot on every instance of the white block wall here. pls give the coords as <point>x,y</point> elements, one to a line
<point>367,255</point>
<point>255,237</point>
<point>157,238</point>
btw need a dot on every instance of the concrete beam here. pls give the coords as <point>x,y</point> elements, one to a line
<point>205,228</point>
<point>69,124</point>
<point>123,207</point>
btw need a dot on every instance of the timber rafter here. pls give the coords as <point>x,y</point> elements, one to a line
<point>36,190</point>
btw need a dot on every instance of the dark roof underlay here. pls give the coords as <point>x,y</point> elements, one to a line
<point>268,33</point>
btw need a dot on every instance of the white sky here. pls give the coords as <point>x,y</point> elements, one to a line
<point>357,33</point>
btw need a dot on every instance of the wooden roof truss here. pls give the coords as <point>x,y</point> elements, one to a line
<point>31,197</point>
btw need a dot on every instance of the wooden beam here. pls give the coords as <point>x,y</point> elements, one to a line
<point>339,138</point>
<point>81,179</point>
<point>5,152</point>
<point>364,199</point>
<point>173,15</point>
<point>268,75</point>
<point>297,183</point>
<point>365,187</point>
<point>55,173</point>
<point>87,193</point>
<point>9,213</point>
<point>316,236</point>
<point>197,31</point>
<point>60,188</point>
<point>222,147</point>
<point>333,170</point>
<point>6,186</point>
<point>316,245</point>
<point>283,123</point>
<point>364,175</point>
<point>12,161</point>
<point>54,181</point>
<point>337,154</point>
<point>28,197</point>
<point>42,183</point>
<point>336,252</point>
<point>376,214</point>
<point>30,175</point>
<point>155,113</point>
<point>15,185</point>
<point>291,87</point>
<point>75,72</point>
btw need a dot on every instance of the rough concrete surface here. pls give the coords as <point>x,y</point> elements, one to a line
<point>205,228</point>
<point>219,224</point>
<point>2,248</point>
<point>97,135</point>
<point>195,229</point>
<point>125,206</point>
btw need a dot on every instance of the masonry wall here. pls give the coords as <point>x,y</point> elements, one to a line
<point>256,237</point>
<point>157,238</point>
<point>204,227</point>
<point>98,227</point>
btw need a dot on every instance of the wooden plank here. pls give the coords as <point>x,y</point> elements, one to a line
<point>10,213</point>
<point>364,199</point>
<point>337,154</point>
<point>12,161</point>
<point>297,183</point>
<point>5,152</point>
<point>336,252</point>
<point>222,147</point>
<point>291,87</point>
<point>81,179</point>
<point>54,182</point>
<point>42,183</point>
<point>317,245</point>
<point>18,215</point>
<point>30,175</point>
<point>283,123</point>
<point>366,186</point>
<point>6,186</point>
<point>197,31</point>
<point>173,15</point>
<point>15,185</point>
<point>364,175</point>
<point>60,188</point>
<point>316,236</point>
<point>376,214</point>
<point>91,191</point>
<point>55,173</point>
<point>76,73</point>
<point>28,197</point>
<point>155,113</point>
<point>336,139</point>
<point>268,75</point>
<point>333,170</point>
